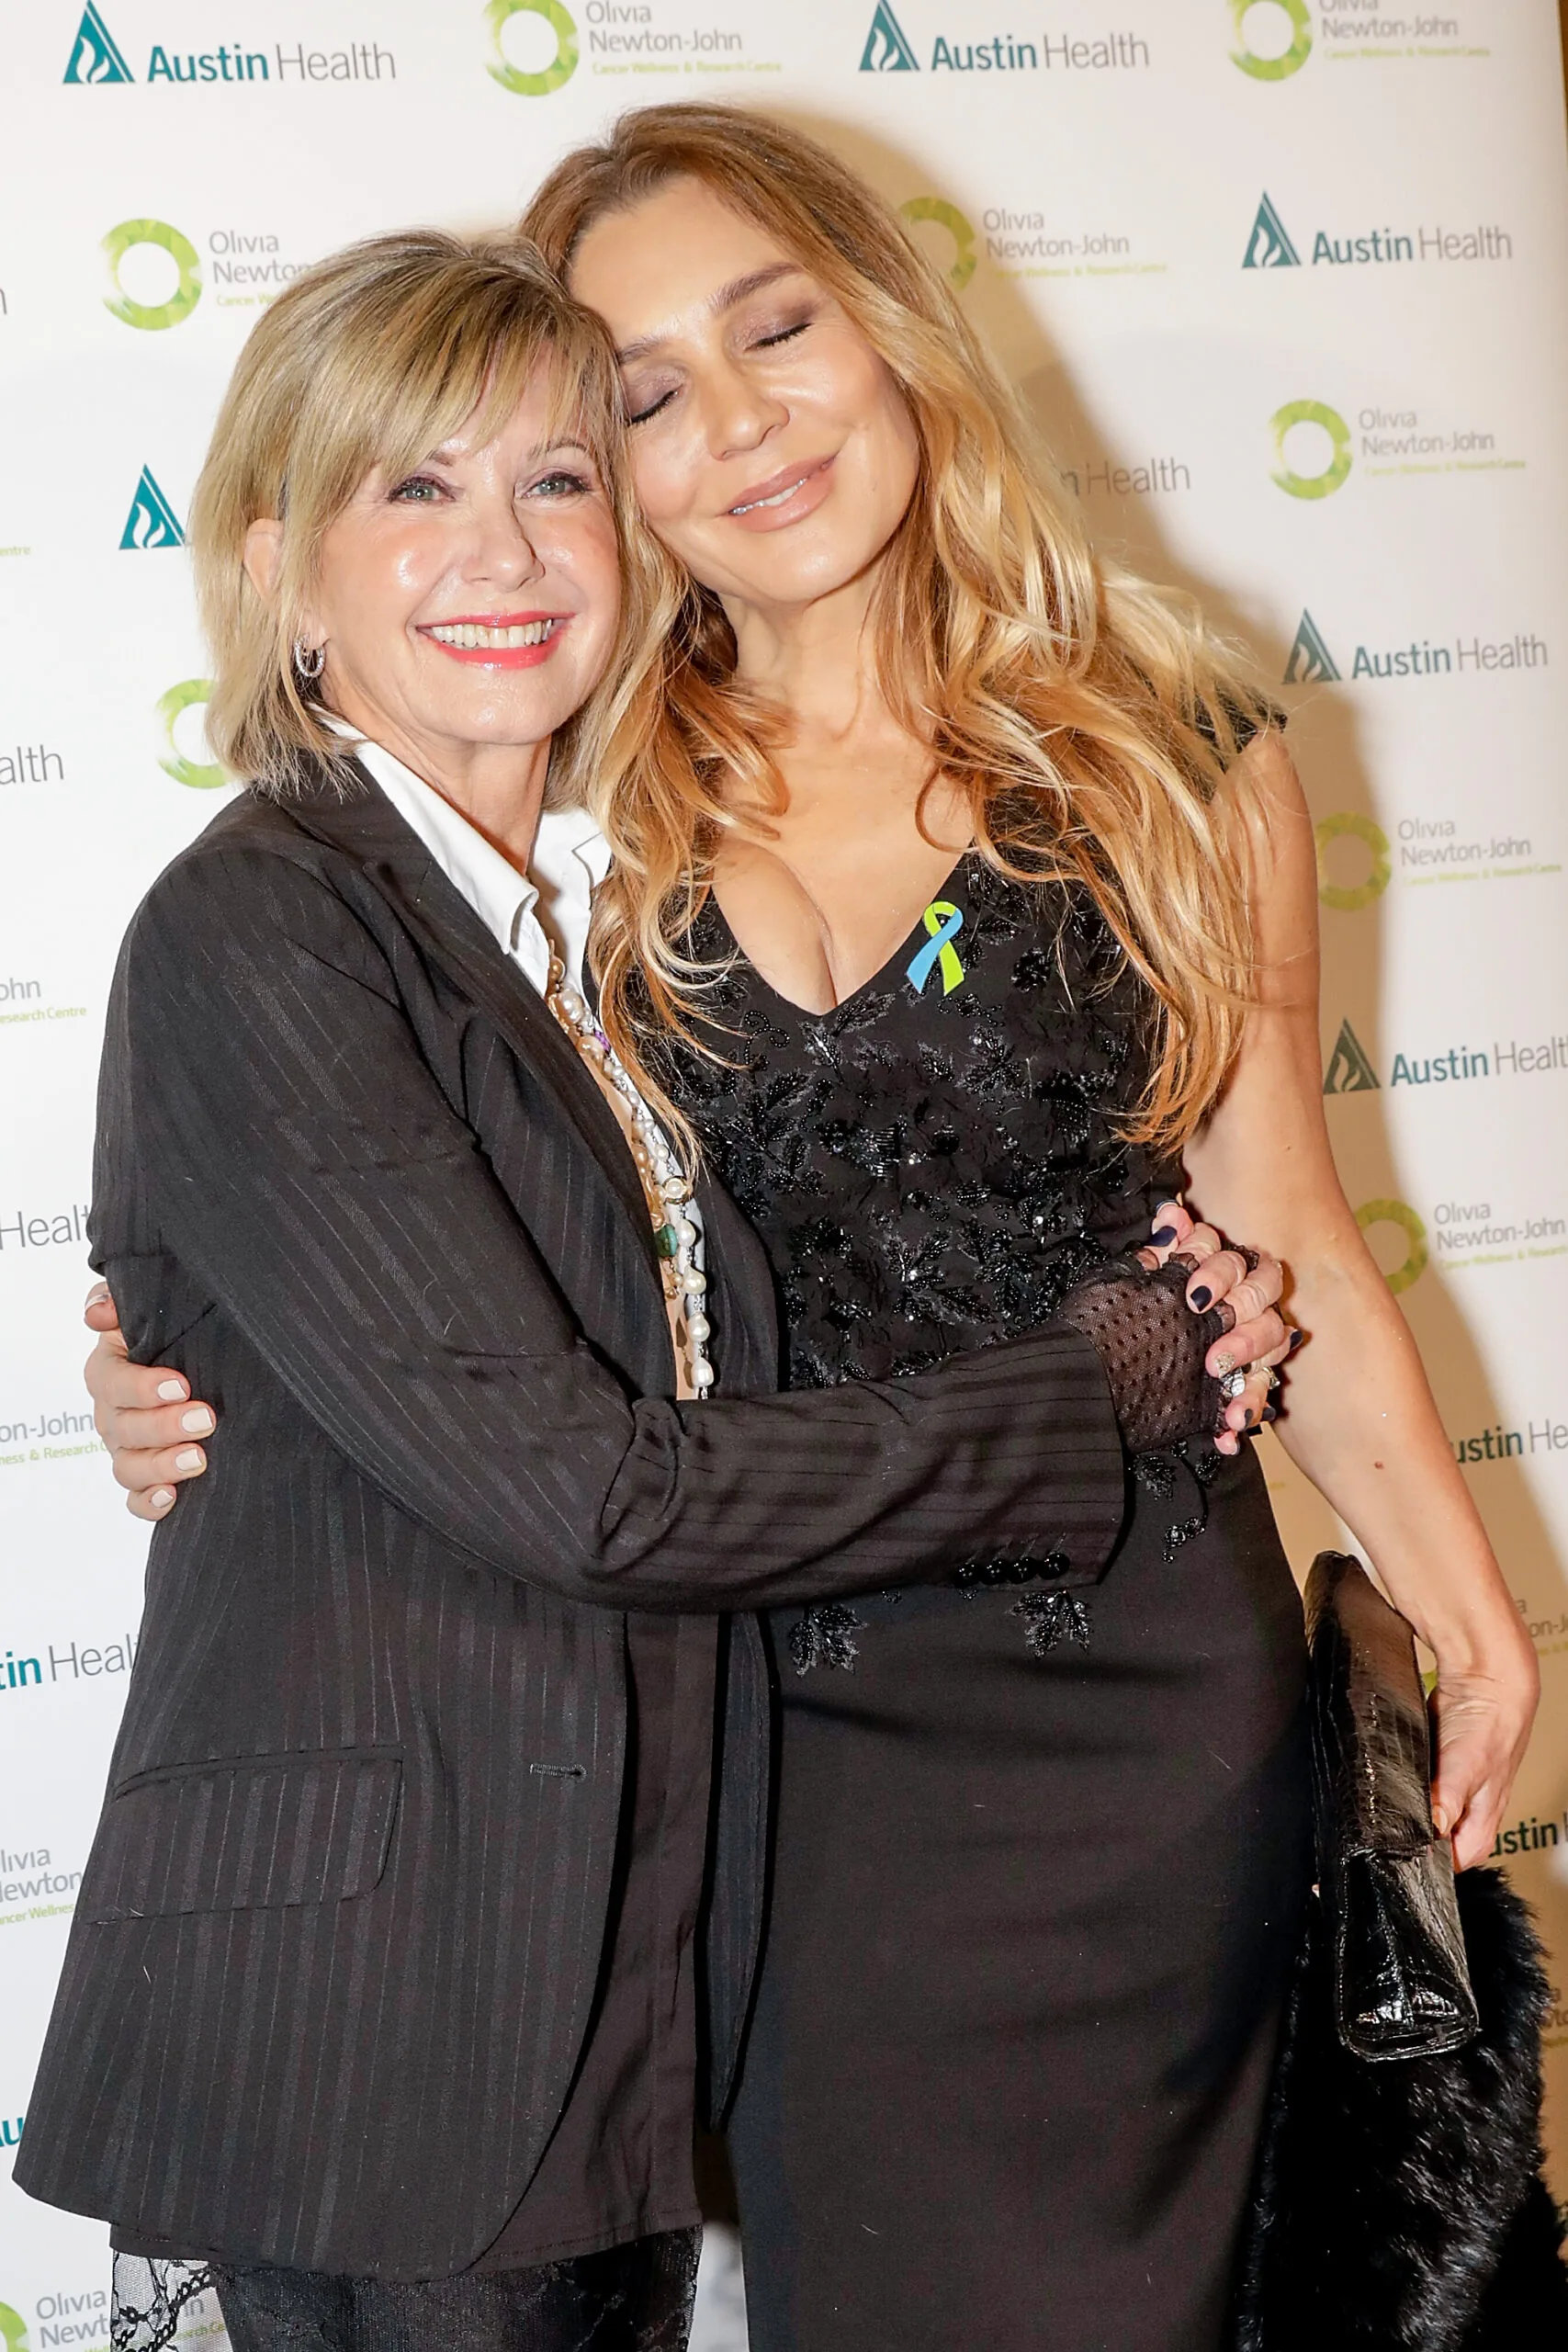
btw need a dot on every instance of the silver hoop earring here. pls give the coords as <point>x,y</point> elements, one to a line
<point>310,660</point>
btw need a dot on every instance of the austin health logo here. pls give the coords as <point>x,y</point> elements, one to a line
<point>1349,1067</point>
<point>1296,472</point>
<point>886,51</point>
<point>936,208</point>
<point>544,79</point>
<point>95,57</point>
<point>1311,662</point>
<point>151,522</point>
<point>1269,247</point>
<point>200,776</point>
<point>123,240</point>
<point>1274,38</point>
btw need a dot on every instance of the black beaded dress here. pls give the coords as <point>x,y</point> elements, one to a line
<point>1039,1855</point>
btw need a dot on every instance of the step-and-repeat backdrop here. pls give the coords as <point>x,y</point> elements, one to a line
<point>1283,280</point>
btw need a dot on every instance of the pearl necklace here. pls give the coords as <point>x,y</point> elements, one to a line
<point>677,1221</point>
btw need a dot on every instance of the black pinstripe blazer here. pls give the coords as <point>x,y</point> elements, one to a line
<point>337,1940</point>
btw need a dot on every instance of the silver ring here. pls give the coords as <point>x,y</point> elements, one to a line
<point>1232,1386</point>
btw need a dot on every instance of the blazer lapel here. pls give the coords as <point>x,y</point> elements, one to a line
<point>368,829</point>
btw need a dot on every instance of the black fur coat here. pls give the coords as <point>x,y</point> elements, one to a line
<point>1400,2206</point>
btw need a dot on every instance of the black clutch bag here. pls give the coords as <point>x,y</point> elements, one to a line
<point>1401,1980</point>
<point>1399,2200</point>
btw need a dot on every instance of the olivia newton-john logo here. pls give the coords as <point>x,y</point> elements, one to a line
<point>1023,240</point>
<point>889,50</point>
<point>247,266</point>
<point>535,46</point>
<point>549,30</point>
<point>97,58</point>
<point>948,218</point>
<point>125,238</point>
<point>176,749</point>
<point>1316,448</point>
<point>1270,244</point>
<point>1272,39</point>
<point>1357,861</point>
<point>1396,1223</point>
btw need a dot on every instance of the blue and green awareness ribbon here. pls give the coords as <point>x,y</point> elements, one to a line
<point>944,921</point>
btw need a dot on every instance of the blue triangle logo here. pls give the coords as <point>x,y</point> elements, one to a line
<point>151,522</point>
<point>95,57</point>
<point>1269,247</point>
<point>1311,662</point>
<point>1349,1067</point>
<point>886,51</point>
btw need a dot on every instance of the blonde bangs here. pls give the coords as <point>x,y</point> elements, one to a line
<point>1088,717</point>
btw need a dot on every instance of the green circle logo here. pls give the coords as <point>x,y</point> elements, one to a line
<point>1261,66</point>
<point>499,12</point>
<point>1349,898</point>
<point>1321,485</point>
<point>171,759</point>
<point>947,216</point>
<point>1372,1213</point>
<point>186,294</point>
<point>13,2329</point>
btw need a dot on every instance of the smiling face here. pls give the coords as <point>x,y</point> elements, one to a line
<point>772,450</point>
<point>472,602</point>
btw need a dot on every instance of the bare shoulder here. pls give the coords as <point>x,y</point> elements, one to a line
<point>1265,812</point>
<point>1263,805</point>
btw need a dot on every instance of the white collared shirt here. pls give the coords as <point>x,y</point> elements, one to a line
<point>529,913</point>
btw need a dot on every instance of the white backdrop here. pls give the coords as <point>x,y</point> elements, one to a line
<point>1285,283</point>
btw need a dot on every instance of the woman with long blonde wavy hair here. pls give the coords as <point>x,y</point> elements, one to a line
<point>964,907</point>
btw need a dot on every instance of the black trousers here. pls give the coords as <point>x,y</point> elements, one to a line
<point>633,2297</point>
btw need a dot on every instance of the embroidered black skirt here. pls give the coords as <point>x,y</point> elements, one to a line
<point>1031,1923</point>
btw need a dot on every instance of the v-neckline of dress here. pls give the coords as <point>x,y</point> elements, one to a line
<point>873,980</point>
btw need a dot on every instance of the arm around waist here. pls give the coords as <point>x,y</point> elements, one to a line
<point>303,1161</point>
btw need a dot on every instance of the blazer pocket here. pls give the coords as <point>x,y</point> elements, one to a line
<point>249,1834</point>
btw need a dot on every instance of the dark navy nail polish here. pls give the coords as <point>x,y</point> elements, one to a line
<point>1297,1336</point>
<point>1269,1414</point>
<point>1163,1236</point>
<point>1200,1300</point>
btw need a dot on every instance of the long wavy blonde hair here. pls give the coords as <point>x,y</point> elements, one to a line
<point>1088,716</point>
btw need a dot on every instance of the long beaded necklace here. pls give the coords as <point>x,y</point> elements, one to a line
<point>677,1221</point>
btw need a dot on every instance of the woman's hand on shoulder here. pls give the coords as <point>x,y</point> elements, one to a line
<point>145,1414</point>
<point>1244,1287</point>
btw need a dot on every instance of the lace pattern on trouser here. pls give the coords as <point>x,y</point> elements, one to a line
<point>148,2298</point>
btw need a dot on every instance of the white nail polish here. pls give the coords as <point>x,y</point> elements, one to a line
<point>199,1420</point>
<point>189,1460</point>
<point>171,1391</point>
<point>161,1496</point>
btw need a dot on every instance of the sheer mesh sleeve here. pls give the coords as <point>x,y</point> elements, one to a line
<point>1153,1346</point>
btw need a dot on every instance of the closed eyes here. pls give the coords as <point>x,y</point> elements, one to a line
<point>768,342</point>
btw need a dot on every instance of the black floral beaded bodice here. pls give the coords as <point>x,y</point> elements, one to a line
<point>933,1163</point>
